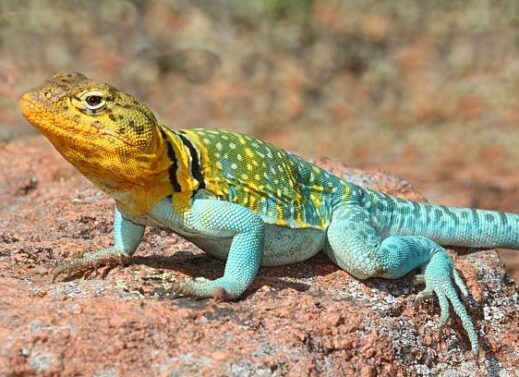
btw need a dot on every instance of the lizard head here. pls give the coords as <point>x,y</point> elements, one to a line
<point>76,108</point>
<point>109,136</point>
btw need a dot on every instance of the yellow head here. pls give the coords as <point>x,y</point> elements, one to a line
<point>109,136</point>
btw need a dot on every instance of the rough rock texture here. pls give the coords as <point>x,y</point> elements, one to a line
<point>309,318</point>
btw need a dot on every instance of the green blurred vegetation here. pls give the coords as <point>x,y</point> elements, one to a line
<point>365,81</point>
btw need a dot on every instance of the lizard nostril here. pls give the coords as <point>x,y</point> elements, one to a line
<point>47,94</point>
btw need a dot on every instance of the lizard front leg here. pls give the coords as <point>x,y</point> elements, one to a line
<point>214,218</point>
<point>127,236</point>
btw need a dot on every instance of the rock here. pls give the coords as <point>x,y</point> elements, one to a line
<point>308,318</point>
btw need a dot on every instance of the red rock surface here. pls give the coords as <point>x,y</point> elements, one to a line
<point>309,318</point>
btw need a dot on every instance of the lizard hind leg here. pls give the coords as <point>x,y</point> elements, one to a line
<point>354,244</point>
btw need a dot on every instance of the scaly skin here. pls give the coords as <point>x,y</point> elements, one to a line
<point>247,201</point>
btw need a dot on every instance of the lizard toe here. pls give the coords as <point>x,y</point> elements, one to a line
<point>90,262</point>
<point>440,278</point>
<point>419,279</point>
<point>423,295</point>
<point>205,288</point>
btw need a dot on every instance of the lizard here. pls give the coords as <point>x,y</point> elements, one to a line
<point>247,201</point>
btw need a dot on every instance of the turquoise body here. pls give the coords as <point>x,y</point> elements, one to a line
<point>248,201</point>
<point>293,211</point>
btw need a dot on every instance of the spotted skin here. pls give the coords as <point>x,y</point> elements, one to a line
<point>247,201</point>
<point>279,186</point>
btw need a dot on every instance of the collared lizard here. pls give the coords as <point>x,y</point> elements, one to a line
<point>247,201</point>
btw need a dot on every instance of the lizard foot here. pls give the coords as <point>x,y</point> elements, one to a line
<point>89,262</point>
<point>220,289</point>
<point>438,276</point>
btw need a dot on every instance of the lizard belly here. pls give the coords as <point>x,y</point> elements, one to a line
<point>283,245</point>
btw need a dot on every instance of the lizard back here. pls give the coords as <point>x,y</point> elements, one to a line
<point>280,186</point>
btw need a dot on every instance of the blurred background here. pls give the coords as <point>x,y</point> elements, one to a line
<point>425,89</point>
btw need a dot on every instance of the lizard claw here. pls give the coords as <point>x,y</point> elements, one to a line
<point>439,275</point>
<point>203,288</point>
<point>423,295</point>
<point>90,262</point>
<point>186,287</point>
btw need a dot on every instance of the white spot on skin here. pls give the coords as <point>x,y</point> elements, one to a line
<point>234,166</point>
<point>219,146</point>
<point>232,146</point>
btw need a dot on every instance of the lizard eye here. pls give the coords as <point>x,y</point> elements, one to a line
<point>94,101</point>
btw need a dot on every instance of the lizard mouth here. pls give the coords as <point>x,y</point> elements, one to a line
<point>36,114</point>
<point>27,106</point>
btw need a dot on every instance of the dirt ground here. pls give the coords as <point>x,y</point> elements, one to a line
<point>425,90</point>
<point>305,319</point>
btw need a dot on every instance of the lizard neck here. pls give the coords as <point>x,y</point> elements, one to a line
<point>138,180</point>
<point>180,175</point>
<point>185,170</point>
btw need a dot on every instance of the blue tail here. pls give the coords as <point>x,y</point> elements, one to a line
<point>446,225</point>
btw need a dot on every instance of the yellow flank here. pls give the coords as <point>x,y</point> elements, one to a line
<point>280,186</point>
<point>116,142</point>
